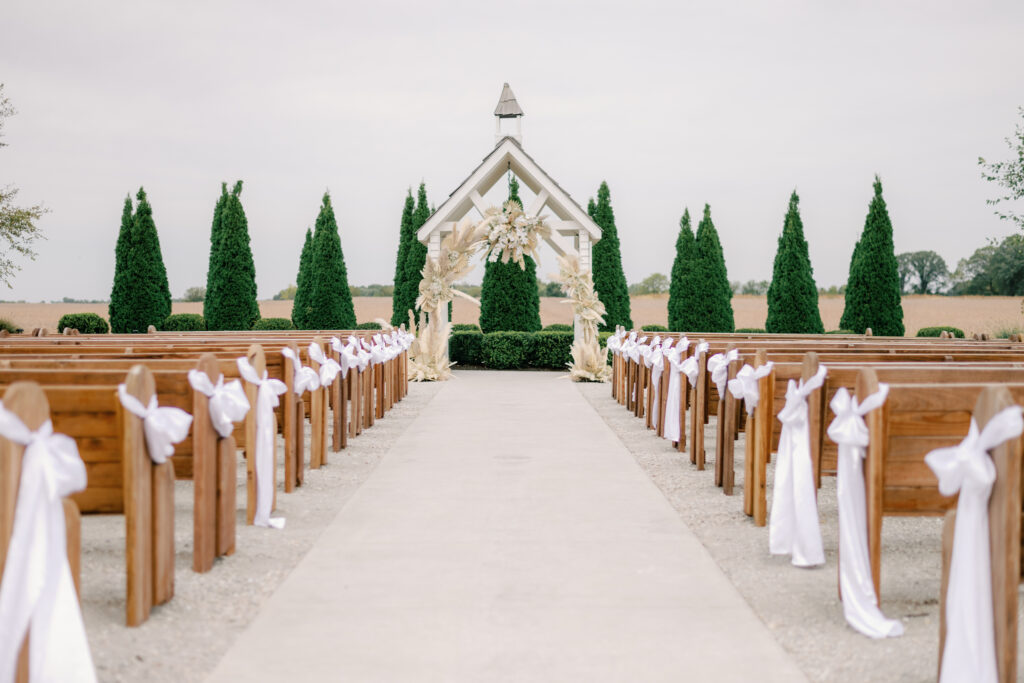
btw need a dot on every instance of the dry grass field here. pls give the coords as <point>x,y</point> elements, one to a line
<point>990,314</point>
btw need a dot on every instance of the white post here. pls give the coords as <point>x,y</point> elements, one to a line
<point>583,248</point>
<point>434,252</point>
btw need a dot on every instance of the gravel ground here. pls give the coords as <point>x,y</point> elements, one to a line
<point>800,606</point>
<point>184,639</point>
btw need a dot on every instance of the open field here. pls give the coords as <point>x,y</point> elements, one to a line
<point>971,313</point>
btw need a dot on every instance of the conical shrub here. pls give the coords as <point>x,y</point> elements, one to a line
<point>681,305</point>
<point>215,236</point>
<point>713,295</point>
<point>304,284</point>
<point>120,294</point>
<point>609,278</point>
<point>400,301</point>
<point>233,299</point>
<point>793,295</point>
<point>330,299</point>
<point>150,295</point>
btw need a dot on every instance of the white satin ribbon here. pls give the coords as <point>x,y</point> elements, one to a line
<point>37,594</point>
<point>744,386</point>
<point>305,378</point>
<point>657,365</point>
<point>674,397</point>
<point>850,433</point>
<point>163,427</point>
<point>346,359</point>
<point>329,368</point>
<point>228,403</point>
<point>793,527</point>
<point>970,650</point>
<point>718,366</point>
<point>266,400</point>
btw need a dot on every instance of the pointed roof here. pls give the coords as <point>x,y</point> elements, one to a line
<point>508,155</point>
<point>507,106</point>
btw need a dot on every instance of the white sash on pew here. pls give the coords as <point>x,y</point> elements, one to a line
<point>848,430</point>
<point>657,364</point>
<point>691,366</point>
<point>228,403</point>
<point>970,650</point>
<point>266,400</point>
<point>718,366</point>
<point>37,594</point>
<point>793,527</point>
<point>329,368</point>
<point>675,390</point>
<point>163,427</point>
<point>305,378</point>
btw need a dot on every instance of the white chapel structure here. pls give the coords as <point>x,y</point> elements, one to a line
<point>572,229</point>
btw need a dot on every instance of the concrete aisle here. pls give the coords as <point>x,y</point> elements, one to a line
<point>508,536</point>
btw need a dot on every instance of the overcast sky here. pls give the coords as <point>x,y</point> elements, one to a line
<point>674,104</point>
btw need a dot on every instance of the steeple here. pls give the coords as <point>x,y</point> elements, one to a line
<point>508,108</point>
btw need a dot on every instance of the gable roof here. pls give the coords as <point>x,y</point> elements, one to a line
<point>509,155</point>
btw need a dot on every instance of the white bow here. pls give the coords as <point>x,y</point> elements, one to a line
<point>228,403</point>
<point>718,366</point>
<point>37,594</point>
<point>744,385</point>
<point>347,359</point>
<point>793,527</point>
<point>674,397</point>
<point>970,651</point>
<point>850,433</point>
<point>305,378</point>
<point>329,368</point>
<point>163,427</point>
<point>266,401</point>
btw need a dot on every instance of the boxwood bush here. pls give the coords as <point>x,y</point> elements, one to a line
<point>273,324</point>
<point>9,325</point>
<point>750,330</point>
<point>465,327</point>
<point>464,347</point>
<point>507,350</point>
<point>654,328</point>
<point>551,350</point>
<point>557,327</point>
<point>86,323</point>
<point>184,322</point>
<point>369,326</point>
<point>938,330</point>
<point>840,332</point>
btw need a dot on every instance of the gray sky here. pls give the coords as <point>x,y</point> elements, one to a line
<point>674,104</point>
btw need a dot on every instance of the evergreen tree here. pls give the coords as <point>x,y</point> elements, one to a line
<point>120,295</point>
<point>793,296</point>
<point>873,289</point>
<point>300,305</point>
<point>149,293</point>
<point>233,299</point>
<point>712,294</point>
<point>509,298</point>
<point>848,321</point>
<point>681,290</point>
<point>330,298</point>
<point>609,279</point>
<point>400,302</point>
<point>215,233</point>
<point>416,254</point>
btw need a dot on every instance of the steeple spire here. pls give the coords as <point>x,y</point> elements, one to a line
<point>508,108</point>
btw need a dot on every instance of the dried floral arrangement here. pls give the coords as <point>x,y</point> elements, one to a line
<point>510,234</point>
<point>589,360</point>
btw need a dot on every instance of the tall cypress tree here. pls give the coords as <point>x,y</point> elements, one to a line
<point>304,282</point>
<point>120,294</point>
<point>215,234</point>
<point>330,298</point>
<point>233,296</point>
<point>713,295</point>
<point>509,298</point>
<point>400,303</point>
<point>793,296</point>
<point>150,295</point>
<point>416,254</point>
<point>609,279</point>
<point>681,290</point>
<point>873,289</point>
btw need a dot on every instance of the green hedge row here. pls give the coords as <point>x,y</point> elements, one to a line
<point>511,350</point>
<point>938,330</point>
<point>184,322</point>
<point>86,323</point>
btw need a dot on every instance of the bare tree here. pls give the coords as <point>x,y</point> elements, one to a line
<point>17,224</point>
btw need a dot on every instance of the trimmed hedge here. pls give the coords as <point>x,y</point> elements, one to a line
<point>273,324</point>
<point>938,330</point>
<point>840,332</point>
<point>9,325</point>
<point>551,350</point>
<point>557,327</point>
<point>86,323</point>
<point>654,328</point>
<point>184,322</point>
<point>751,330</point>
<point>465,327</point>
<point>506,350</point>
<point>464,347</point>
<point>369,326</point>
